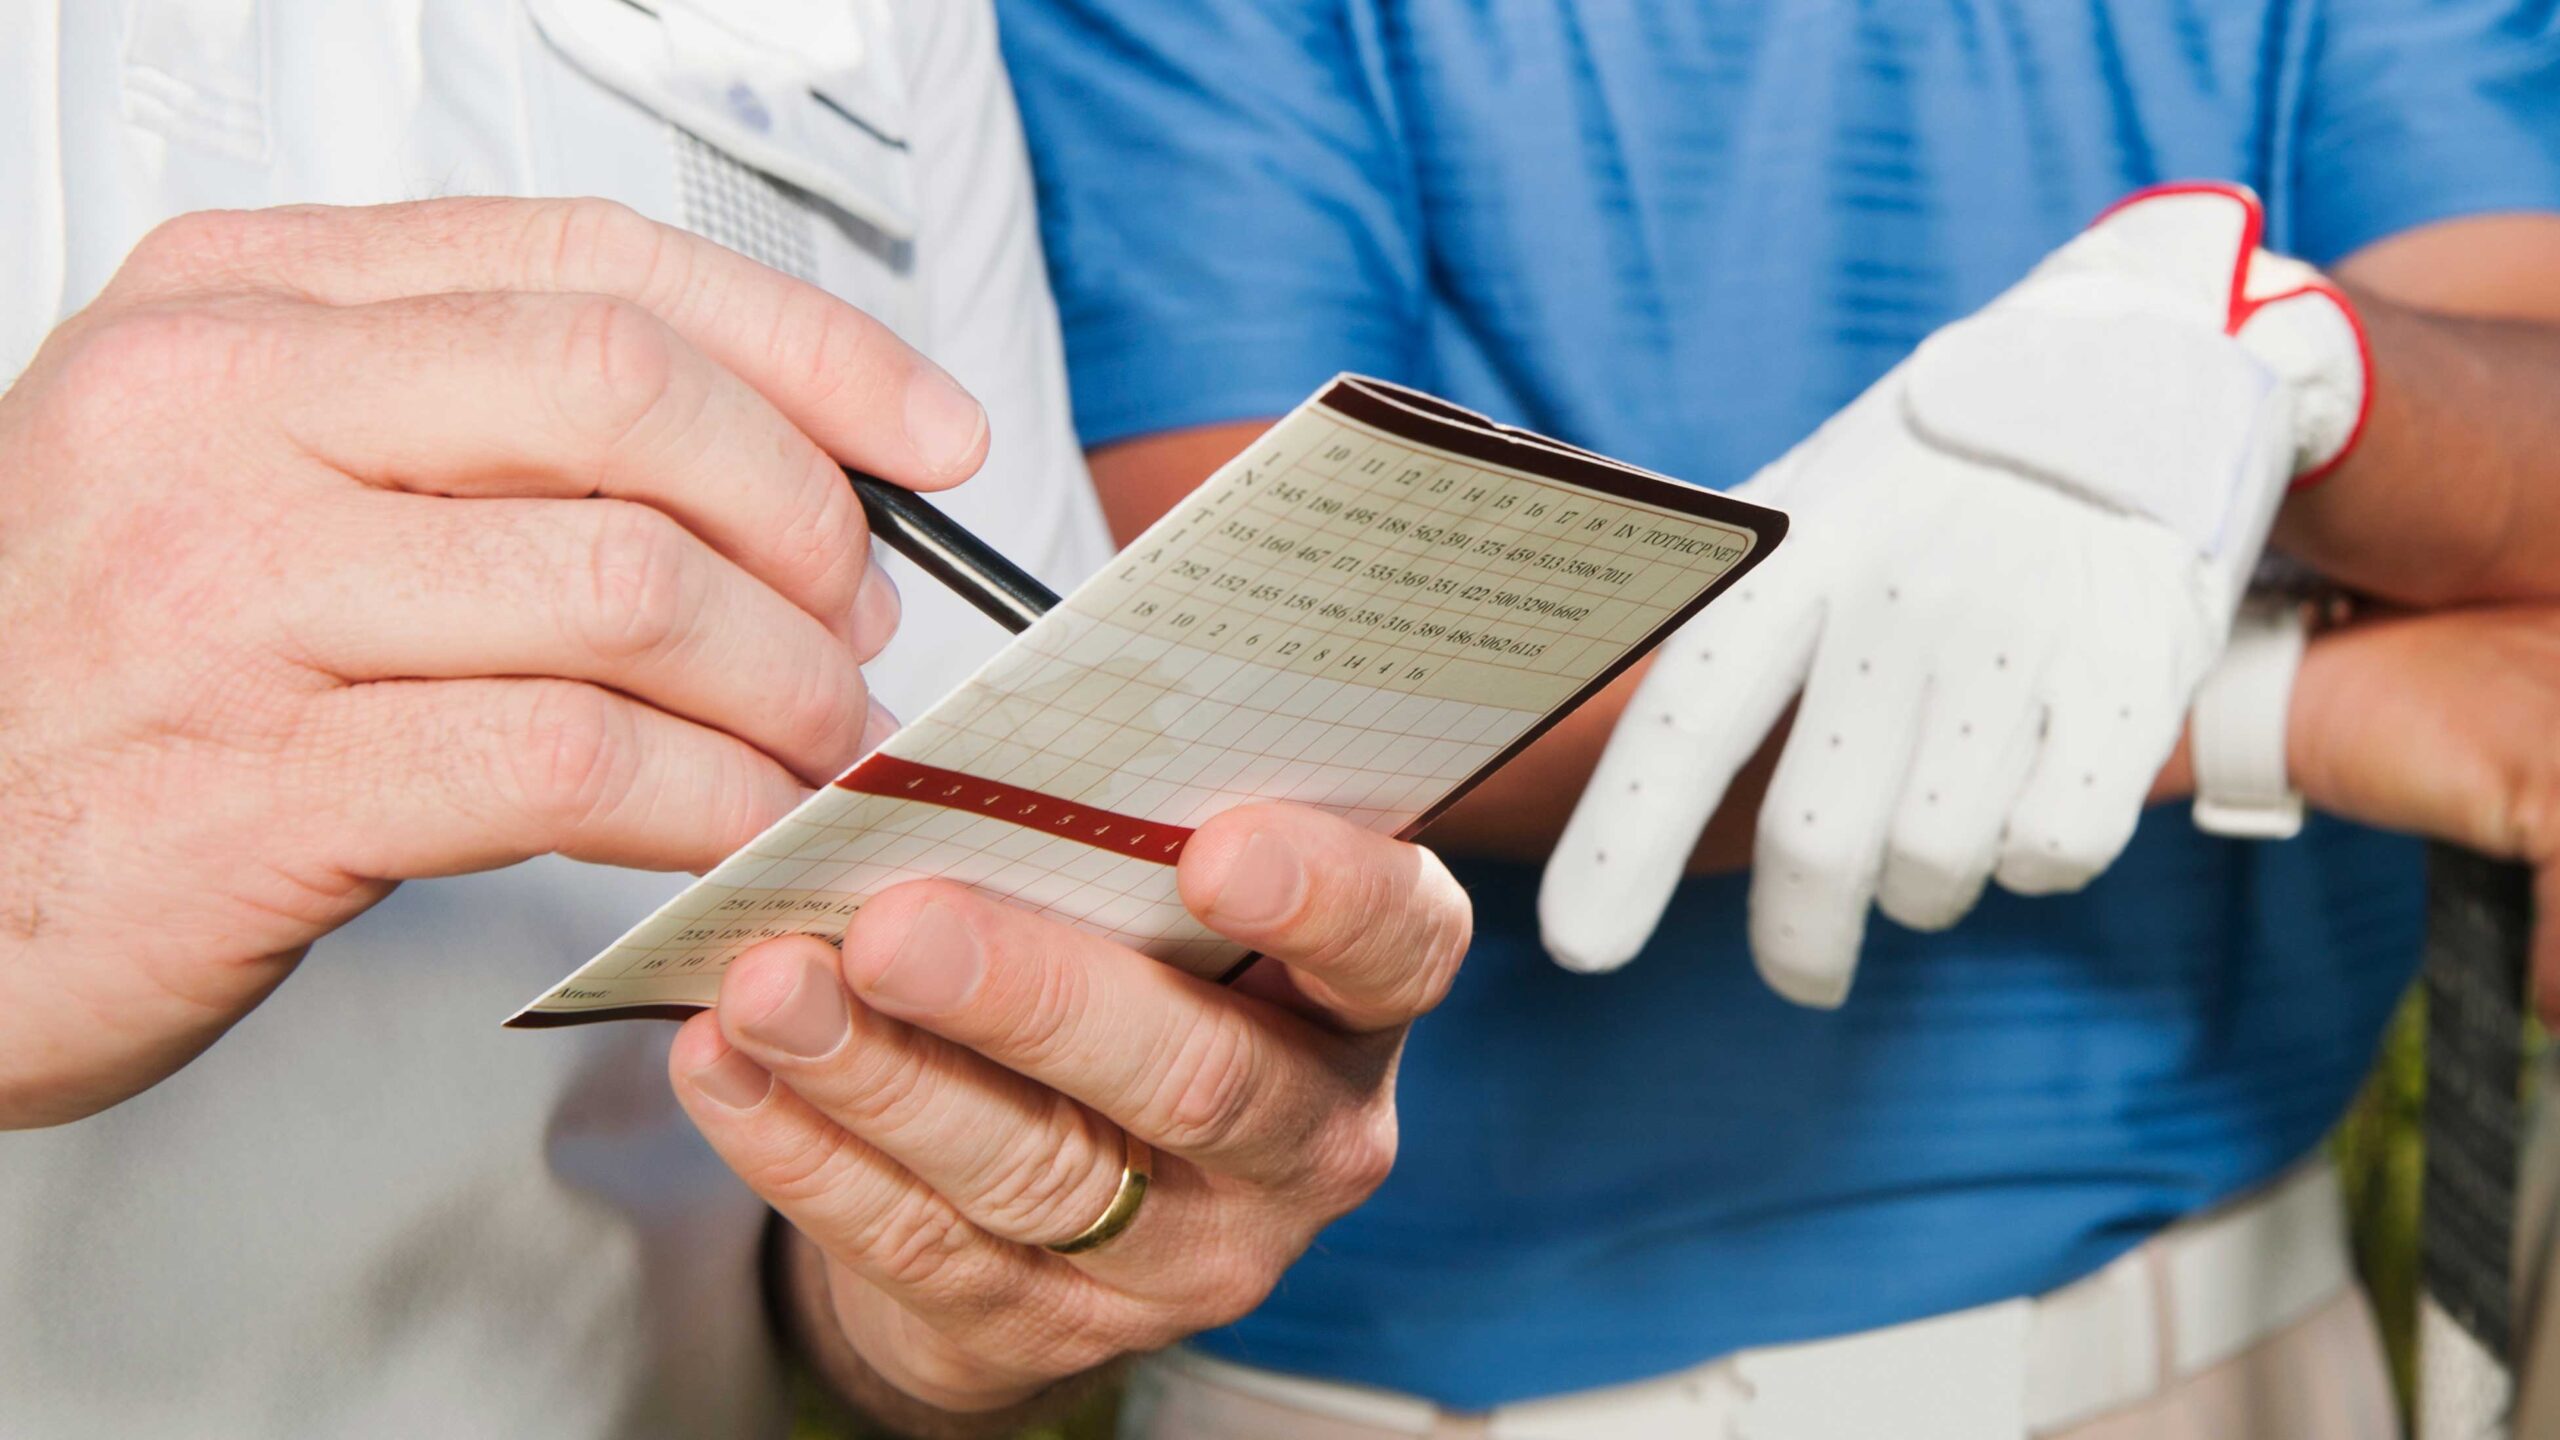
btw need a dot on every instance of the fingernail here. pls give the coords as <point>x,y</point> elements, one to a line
<point>944,423</point>
<point>1264,886</point>
<point>876,608</point>
<point>733,1081</point>
<point>877,729</point>
<point>808,1021</point>
<point>936,970</point>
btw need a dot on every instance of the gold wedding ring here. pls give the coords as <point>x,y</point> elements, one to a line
<point>1136,1159</point>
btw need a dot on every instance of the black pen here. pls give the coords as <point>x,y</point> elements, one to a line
<point>968,565</point>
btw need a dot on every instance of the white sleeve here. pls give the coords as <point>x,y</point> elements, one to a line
<point>31,235</point>
<point>983,301</point>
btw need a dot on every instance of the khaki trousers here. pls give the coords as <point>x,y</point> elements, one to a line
<point>2321,1378</point>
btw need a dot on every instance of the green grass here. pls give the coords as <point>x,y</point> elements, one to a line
<point>2379,1159</point>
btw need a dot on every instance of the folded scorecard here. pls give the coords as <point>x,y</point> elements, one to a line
<point>1380,601</point>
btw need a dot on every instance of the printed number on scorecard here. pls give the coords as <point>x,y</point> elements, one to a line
<point>1381,600</point>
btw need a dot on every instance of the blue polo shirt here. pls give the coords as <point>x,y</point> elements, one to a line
<point>1684,232</point>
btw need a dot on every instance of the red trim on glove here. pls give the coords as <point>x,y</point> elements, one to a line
<point>2240,308</point>
<point>2364,399</point>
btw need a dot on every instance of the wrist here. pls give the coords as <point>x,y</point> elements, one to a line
<point>2195,250</point>
<point>838,1340</point>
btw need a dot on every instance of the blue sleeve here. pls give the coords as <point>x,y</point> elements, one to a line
<point>2424,110</point>
<point>1227,213</point>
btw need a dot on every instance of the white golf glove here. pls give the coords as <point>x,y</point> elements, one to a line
<point>2013,560</point>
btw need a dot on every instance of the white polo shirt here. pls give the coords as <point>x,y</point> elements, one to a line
<point>369,1211</point>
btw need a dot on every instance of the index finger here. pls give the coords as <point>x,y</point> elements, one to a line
<point>842,377</point>
<point>1372,929</point>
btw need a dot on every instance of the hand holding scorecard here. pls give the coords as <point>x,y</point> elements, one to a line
<point>1380,601</point>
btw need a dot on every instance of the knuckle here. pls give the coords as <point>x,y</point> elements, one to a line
<point>1356,1153</point>
<point>1045,1190</point>
<point>821,345</point>
<point>744,800</point>
<point>614,374</point>
<point>1047,1023</point>
<point>804,1169</point>
<point>641,584</point>
<point>1408,965</point>
<point>1444,929</point>
<point>570,760</point>
<point>827,542</point>
<point>1204,1097</point>
<point>891,1097</point>
<point>2524,818</point>
<point>151,359</point>
<point>916,1240</point>
<point>187,247</point>
<point>826,714</point>
<point>594,244</point>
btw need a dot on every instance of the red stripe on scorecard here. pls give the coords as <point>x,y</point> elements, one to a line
<point>896,779</point>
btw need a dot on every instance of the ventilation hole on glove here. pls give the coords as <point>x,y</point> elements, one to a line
<point>1965,729</point>
<point>2125,714</point>
<point>2001,662</point>
<point>1705,656</point>
<point>1862,667</point>
<point>1893,592</point>
<point>1666,717</point>
<point>2053,847</point>
<point>1808,817</point>
<point>1933,797</point>
<point>1835,742</point>
<point>2090,779</point>
<point>1635,787</point>
<point>1599,857</point>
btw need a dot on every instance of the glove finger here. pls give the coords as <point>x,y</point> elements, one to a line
<point>1978,740</point>
<point>2113,715</point>
<point>1712,693</point>
<point>1822,829</point>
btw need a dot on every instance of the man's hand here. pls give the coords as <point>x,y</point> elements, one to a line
<point>950,1095</point>
<point>2445,725</point>
<point>344,546</point>
<point>2013,560</point>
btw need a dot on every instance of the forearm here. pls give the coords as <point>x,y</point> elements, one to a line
<point>2453,493</point>
<point>804,1310</point>
<point>1519,811</point>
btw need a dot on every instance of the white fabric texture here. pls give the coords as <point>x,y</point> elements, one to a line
<point>2012,561</point>
<point>369,1210</point>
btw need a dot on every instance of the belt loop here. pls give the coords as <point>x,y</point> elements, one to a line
<point>2164,1320</point>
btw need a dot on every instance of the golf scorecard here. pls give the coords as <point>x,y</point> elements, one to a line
<point>1376,604</point>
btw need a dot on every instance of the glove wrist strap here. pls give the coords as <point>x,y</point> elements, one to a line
<point>2291,316</point>
<point>2236,732</point>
